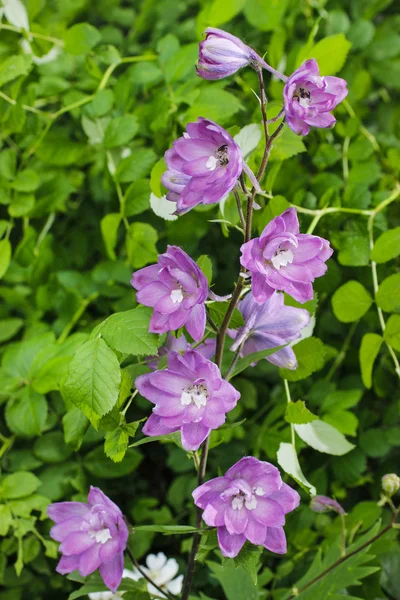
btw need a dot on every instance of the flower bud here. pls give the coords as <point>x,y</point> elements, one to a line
<point>322,504</point>
<point>222,54</point>
<point>390,483</point>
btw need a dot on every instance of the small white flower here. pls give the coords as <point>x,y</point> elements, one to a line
<point>162,571</point>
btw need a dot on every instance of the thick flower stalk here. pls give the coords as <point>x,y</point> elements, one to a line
<point>176,288</point>
<point>309,98</point>
<point>180,344</point>
<point>93,536</point>
<point>284,259</point>
<point>190,396</point>
<point>203,166</point>
<point>269,325</point>
<point>249,502</point>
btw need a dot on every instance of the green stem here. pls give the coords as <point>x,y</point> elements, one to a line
<point>342,354</point>
<point>39,36</point>
<point>289,399</point>
<point>75,318</point>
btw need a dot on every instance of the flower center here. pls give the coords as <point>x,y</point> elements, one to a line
<point>196,394</point>
<point>101,535</point>
<point>219,159</point>
<point>176,296</point>
<point>303,96</point>
<point>282,258</point>
<point>240,500</point>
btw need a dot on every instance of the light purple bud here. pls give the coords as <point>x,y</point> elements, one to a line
<point>284,259</point>
<point>322,504</point>
<point>176,288</point>
<point>174,344</point>
<point>309,98</point>
<point>249,502</point>
<point>222,54</point>
<point>190,396</point>
<point>203,166</point>
<point>93,536</point>
<point>269,325</point>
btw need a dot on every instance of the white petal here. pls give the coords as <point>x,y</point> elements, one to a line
<point>155,562</point>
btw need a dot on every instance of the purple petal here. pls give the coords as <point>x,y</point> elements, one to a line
<point>151,293</point>
<point>269,512</point>
<point>287,497</point>
<point>76,543</point>
<point>156,426</point>
<point>214,513</point>
<point>208,490</point>
<point>111,572</point>
<point>89,560</point>
<point>230,544</point>
<point>255,532</point>
<point>145,276</point>
<point>61,530</point>
<point>193,435</point>
<point>236,519</point>
<point>275,540</point>
<point>67,564</point>
<point>196,322</point>
<point>60,511</point>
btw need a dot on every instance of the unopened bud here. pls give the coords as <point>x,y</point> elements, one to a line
<point>323,504</point>
<point>390,483</point>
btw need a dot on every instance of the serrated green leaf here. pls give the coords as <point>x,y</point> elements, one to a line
<point>205,264</point>
<point>310,354</point>
<point>81,38</point>
<point>128,332</point>
<point>116,444</point>
<point>392,332</point>
<point>298,413</point>
<point>388,294</point>
<point>141,244</point>
<point>93,379</point>
<point>18,485</point>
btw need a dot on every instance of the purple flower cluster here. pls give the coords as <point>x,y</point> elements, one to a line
<point>203,166</point>
<point>249,502</point>
<point>93,536</point>
<point>284,259</point>
<point>190,396</point>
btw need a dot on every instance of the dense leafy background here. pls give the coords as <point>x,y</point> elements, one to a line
<point>77,216</point>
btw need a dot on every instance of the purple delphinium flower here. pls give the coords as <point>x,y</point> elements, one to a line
<point>203,166</point>
<point>93,536</point>
<point>176,288</point>
<point>284,259</point>
<point>269,325</point>
<point>322,504</point>
<point>249,502</point>
<point>190,396</point>
<point>309,98</point>
<point>180,344</point>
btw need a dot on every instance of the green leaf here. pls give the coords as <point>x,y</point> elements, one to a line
<point>369,350</point>
<point>5,256</point>
<point>26,181</point>
<point>50,448</point>
<point>9,328</point>
<point>93,379</point>
<point>120,131</point>
<point>18,485</point>
<point>387,246</point>
<point>13,67</point>
<point>116,444</point>
<point>99,465</point>
<point>136,166</point>
<point>167,529</point>
<point>351,301</point>
<point>388,294</point>
<point>137,198</point>
<point>21,204</point>
<point>245,362</point>
<point>392,332</point>
<point>236,583</point>
<point>81,38</point>
<point>155,178</point>
<point>215,104</point>
<point>249,560</point>
<point>75,425</point>
<point>218,310</point>
<point>343,420</point>
<point>266,16</point>
<point>109,230</point>
<point>288,461</point>
<point>330,54</point>
<point>26,415</point>
<point>310,354</point>
<point>205,264</point>
<point>354,249</point>
<point>287,144</point>
<point>323,437</point>
<point>128,332</point>
<point>248,138</point>
<point>163,208</point>
<point>5,519</point>
<point>298,413</point>
<point>141,244</point>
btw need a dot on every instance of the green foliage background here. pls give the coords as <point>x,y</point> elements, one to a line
<point>82,137</point>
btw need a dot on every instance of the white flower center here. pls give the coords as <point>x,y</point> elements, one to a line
<point>258,491</point>
<point>176,296</point>
<point>240,500</point>
<point>197,394</point>
<point>282,258</point>
<point>101,535</point>
<point>303,97</point>
<point>212,162</point>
